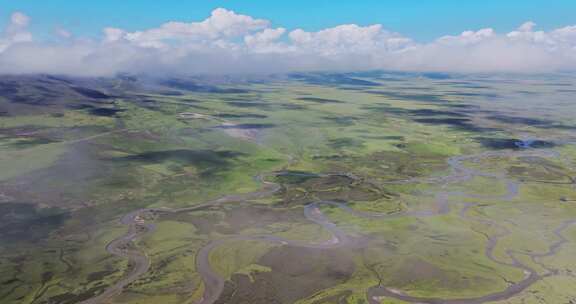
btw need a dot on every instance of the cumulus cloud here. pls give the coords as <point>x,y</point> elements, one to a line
<point>468,37</point>
<point>227,42</point>
<point>265,37</point>
<point>349,38</point>
<point>222,24</point>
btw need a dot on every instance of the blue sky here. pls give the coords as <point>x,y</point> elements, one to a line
<point>423,20</point>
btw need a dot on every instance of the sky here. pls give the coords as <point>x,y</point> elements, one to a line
<point>106,37</point>
<point>422,20</point>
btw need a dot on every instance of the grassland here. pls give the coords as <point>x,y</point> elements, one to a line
<point>73,166</point>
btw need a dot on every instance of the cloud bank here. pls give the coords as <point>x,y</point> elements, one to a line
<point>227,42</point>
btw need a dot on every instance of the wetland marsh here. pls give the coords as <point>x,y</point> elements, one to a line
<point>308,188</point>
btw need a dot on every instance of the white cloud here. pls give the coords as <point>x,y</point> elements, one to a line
<point>468,37</point>
<point>221,24</point>
<point>264,37</point>
<point>348,38</point>
<point>227,42</point>
<point>19,20</point>
<point>565,36</point>
<point>112,34</point>
<point>16,31</point>
<point>527,26</point>
<point>63,33</point>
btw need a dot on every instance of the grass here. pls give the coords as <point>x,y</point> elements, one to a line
<point>238,257</point>
<point>171,249</point>
<point>16,163</point>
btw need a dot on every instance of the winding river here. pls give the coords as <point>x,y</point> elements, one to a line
<point>214,283</point>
